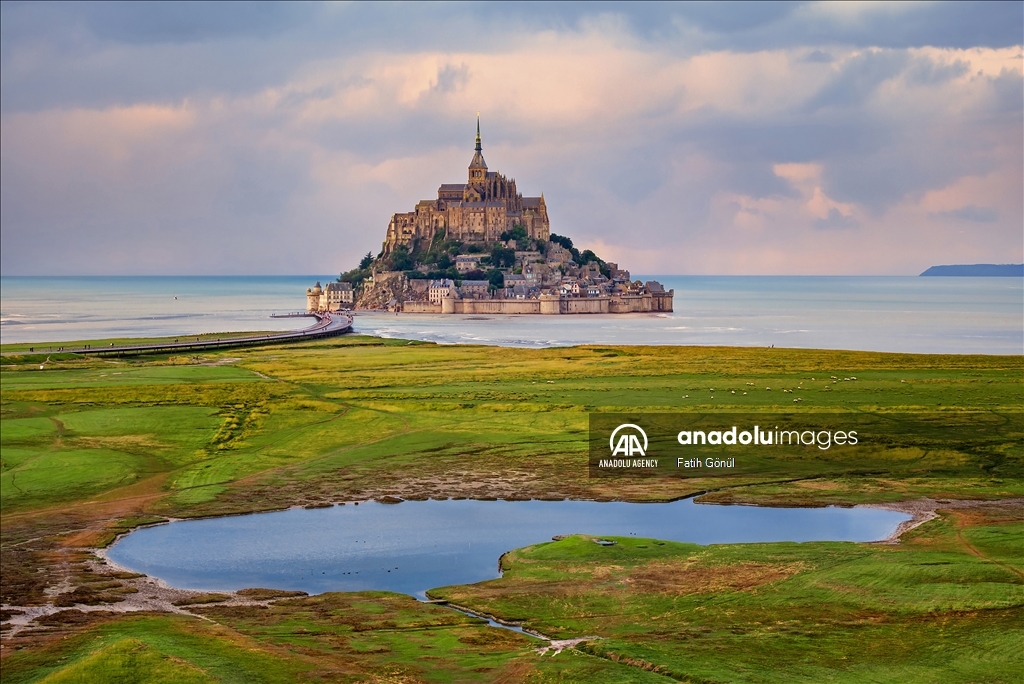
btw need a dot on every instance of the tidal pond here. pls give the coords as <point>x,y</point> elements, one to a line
<point>417,545</point>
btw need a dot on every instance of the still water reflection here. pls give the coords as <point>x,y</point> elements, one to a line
<point>416,545</point>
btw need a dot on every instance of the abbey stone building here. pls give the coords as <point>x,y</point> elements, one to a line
<point>477,211</point>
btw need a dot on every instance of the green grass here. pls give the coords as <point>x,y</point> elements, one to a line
<point>81,453</point>
<point>351,417</point>
<point>129,661</point>
<point>21,430</point>
<point>146,648</point>
<point>362,637</point>
<point>775,612</point>
<point>91,447</point>
<point>61,475</point>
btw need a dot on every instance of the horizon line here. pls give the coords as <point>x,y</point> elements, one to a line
<point>662,275</point>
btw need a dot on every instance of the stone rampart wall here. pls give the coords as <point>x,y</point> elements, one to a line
<point>497,306</point>
<point>421,307</point>
<point>630,304</point>
<point>547,304</point>
<point>662,301</point>
<point>585,305</point>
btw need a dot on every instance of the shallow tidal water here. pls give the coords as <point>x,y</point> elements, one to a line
<point>868,313</point>
<point>418,545</point>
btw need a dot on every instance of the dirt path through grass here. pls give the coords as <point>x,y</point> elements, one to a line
<point>117,503</point>
<point>961,523</point>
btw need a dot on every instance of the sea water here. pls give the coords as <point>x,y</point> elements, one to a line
<point>898,314</point>
<point>38,309</point>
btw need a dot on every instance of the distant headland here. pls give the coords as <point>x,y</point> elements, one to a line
<point>977,270</point>
<point>481,247</point>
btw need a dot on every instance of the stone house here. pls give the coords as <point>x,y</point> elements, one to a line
<point>439,289</point>
<point>519,291</point>
<point>654,286</point>
<point>464,263</point>
<point>558,254</point>
<point>523,258</point>
<point>474,289</point>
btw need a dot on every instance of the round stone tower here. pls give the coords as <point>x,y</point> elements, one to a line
<point>313,297</point>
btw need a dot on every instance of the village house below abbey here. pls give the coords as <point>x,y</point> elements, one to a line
<point>483,248</point>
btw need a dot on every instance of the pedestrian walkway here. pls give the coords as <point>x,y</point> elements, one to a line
<point>327,325</point>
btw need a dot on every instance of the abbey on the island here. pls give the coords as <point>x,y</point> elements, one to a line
<point>477,211</point>
<point>483,248</point>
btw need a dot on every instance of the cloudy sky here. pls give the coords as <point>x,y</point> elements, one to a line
<point>788,138</point>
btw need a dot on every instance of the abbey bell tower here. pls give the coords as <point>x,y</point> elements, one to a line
<point>478,167</point>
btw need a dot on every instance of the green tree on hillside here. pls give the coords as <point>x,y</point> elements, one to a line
<point>517,233</point>
<point>565,242</point>
<point>495,279</point>
<point>401,260</point>
<point>503,256</point>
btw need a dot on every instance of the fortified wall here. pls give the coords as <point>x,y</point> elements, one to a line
<point>546,304</point>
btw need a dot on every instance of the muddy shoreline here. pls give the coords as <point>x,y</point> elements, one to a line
<point>154,595</point>
<point>926,509</point>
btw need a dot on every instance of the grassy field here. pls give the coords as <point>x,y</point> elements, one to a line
<point>93,447</point>
<point>925,611</point>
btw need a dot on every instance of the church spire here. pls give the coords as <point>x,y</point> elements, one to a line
<point>477,167</point>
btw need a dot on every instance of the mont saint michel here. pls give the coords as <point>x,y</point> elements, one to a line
<point>481,247</point>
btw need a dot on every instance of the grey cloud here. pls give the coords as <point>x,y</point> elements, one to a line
<point>243,204</point>
<point>78,55</point>
<point>746,26</point>
<point>1009,89</point>
<point>95,54</point>
<point>787,138</point>
<point>215,201</point>
<point>907,156</point>
<point>633,175</point>
<point>41,77</point>
<point>880,178</point>
<point>835,220</point>
<point>756,179</point>
<point>858,79</point>
<point>971,212</point>
<point>400,134</point>
<point>819,57</point>
<point>926,72</point>
<point>877,159</point>
<point>938,24</point>
<point>733,17</point>
<point>154,22</point>
<point>394,26</point>
<point>451,78</point>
